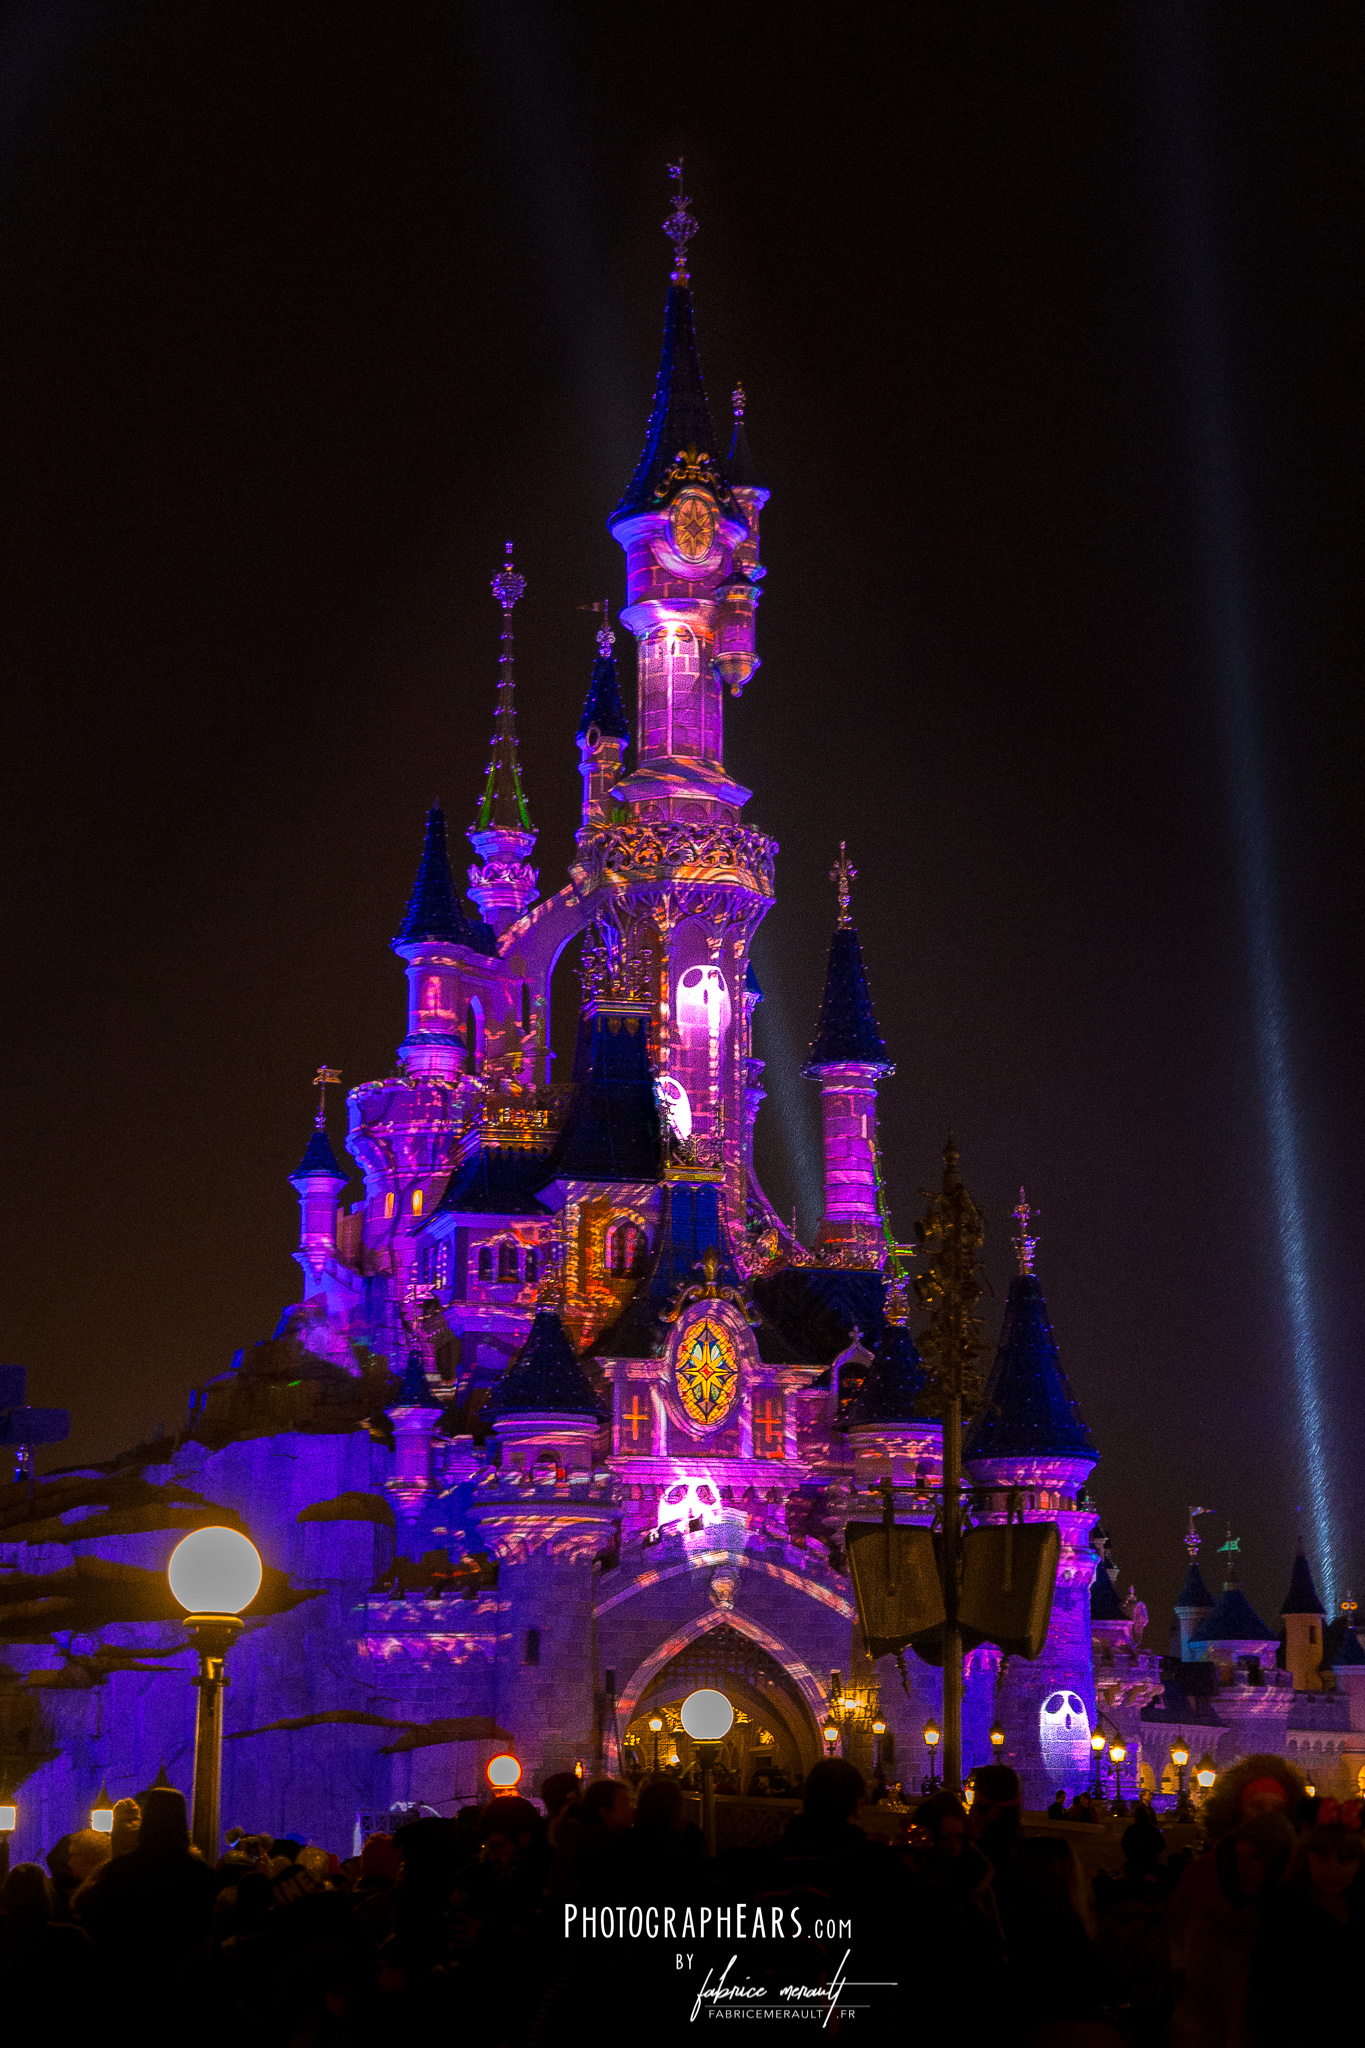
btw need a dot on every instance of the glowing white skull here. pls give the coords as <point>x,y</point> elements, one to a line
<point>703,1003</point>
<point>1064,1737</point>
<point>676,1107</point>
<point>688,1501</point>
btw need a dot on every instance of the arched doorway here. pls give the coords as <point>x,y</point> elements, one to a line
<point>774,1736</point>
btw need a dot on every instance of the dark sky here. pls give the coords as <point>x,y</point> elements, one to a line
<point>305,309</point>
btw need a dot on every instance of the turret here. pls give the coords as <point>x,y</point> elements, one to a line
<point>887,1425</point>
<point>544,1406</point>
<point>735,656</point>
<point>1232,1634</point>
<point>848,1059</point>
<point>1193,1606</point>
<point>432,932</point>
<point>1303,1623</point>
<point>603,732</point>
<point>683,527</point>
<point>502,835</point>
<point>414,1416</point>
<point>318,1184</point>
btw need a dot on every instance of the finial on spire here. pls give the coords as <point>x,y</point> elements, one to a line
<point>737,403</point>
<point>1232,1551</point>
<point>1192,1536</point>
<point>606,639</point>
<point>507,586</point>
<point>324,1078</point>
<point>841,874</point>
<point>1024,1244</point>
<point>679,226</point>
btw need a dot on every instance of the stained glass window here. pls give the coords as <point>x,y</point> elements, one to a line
<point>707,1372</point>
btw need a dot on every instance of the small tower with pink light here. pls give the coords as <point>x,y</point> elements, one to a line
<point>603,731</point>
<point>318,1184</point>
<point>848,1059</point>
<point>502,835</point>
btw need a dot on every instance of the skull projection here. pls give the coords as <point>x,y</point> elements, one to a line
<point>1064,1737</point>
<point>688,1501</point>
<point>703,1004</point>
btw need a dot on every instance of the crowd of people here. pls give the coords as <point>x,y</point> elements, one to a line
<point>973,1920</point>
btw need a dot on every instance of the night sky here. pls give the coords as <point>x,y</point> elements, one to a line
<point>306,309</point>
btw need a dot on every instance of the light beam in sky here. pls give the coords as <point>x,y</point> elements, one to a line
<point>1201,322</point>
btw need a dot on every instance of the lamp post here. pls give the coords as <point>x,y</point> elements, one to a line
<point>932,1737</point>
<point>503,1773</point>
<point>878,1730</point>
<point>214,1574</point>
<point>1097,1751</point>
<point>1180,1757</point>
<point>708,1718</point>
<point>9,1821</point>
<point>1118,1750</point>
<point>102,1813</point>
<point>1205,1771</point>
<point>997,1735</point>
<point>830,1731</point>
<point>656,1729</point>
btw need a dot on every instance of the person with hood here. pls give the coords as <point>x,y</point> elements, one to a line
<point>1223,1932</point>
<point>151,1910</point>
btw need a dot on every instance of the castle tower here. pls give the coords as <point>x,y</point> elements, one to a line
<point>1232,1635</point>
<point>502,835</point>
<point>414,1416</point>
<point>694,882</point>
<point>735,656</point>
<point>603,733</point>
<point>1031,1437</point>
<point>1193,1606</point>
<point>433,934</point>
<point>1303,1623</point>
<point>848,1059</point>
<point>318,1185</point>
<point>888,1430</point>
<point>544,1408</point>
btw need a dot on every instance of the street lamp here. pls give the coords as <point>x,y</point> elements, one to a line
<point>102,1817</point>
<point>997,1735</point>
<point>656,1729</point>
<point>214,1574</point>
<point>1118,1750</point>
<point>933,1735</point>
<point>1097,1751</point>
<point>9,1821</point>
<point>708,1718</point>
<point>878,1730</point>
<point>1180,1756</point>
<point>503,1773</point>
<point>1205,1772</point>
<point>830,1731</point>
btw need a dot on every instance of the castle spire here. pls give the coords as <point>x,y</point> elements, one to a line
<point>502,835</point>
<point>848,1058</point>
<point>1024,1244</point>
<point>604,729</point>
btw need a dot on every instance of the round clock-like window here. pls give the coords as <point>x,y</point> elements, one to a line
<point>693,526</point>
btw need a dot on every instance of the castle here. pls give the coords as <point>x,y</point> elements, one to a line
<point>566,1422</point>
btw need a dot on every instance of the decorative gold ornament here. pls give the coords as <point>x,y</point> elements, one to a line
<point>692,526</point>
<point>707,1372</point>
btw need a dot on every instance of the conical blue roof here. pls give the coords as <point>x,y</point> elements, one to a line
<point>413,1391</point>
<point>893,1384</point>
<point>739,463</point>
<point>847,1029</point>
<point>680,423</point>
<point>433,908</point>
<point>1302,1597</point>
<point>320,1158</point>
<point>1029,1411</point>
<point>1105,1604</point>
<point>1232,1620</point>
<point>603,707</point>
<point>1347,1651</point>
<point>612,1131</point>
<point>545,1377</point>
<point>1194,1593</point>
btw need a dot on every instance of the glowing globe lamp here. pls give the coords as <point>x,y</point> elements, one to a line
<point>215,1571</point>
<point>102,1818</point>
<point>503,1773</point>
<point>707,1715</point>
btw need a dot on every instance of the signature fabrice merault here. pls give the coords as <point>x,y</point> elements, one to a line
<point>829,1996</point>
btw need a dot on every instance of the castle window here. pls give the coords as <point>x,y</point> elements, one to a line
<point>507,1262</point>
<point>1312,1631</point>
<point>388,1205</point>
<point>627,1251</point>
<point>440,1263</point>
<point>431,993</point>
<point>532,1265</point>
<point>417,1199</point>
<point>485,1262</point>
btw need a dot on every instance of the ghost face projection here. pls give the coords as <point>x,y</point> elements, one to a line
<point>676,1107</point>
<point>1064,1738</point>
<point>688,1501</point>
<point>703,1005</point>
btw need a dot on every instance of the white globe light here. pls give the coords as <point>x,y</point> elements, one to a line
<point>707,1716</point>
<point>215,1571</point>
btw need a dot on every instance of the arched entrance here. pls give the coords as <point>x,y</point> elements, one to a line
<point>774,1735</point>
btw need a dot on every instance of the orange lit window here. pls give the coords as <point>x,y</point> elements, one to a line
<point>417,1201</point>
<point>388,1204</point>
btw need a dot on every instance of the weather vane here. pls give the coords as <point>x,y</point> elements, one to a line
<point>1192,1536</point>
<point>606,639</point>
<point>841,874</point>
<point>679,226</point>
<point>507,586</point>
<point>1024,1245</point>
<point>324,1078</point>
<point>737,402</point>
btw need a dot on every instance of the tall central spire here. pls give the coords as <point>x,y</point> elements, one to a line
<point>502,835</point>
